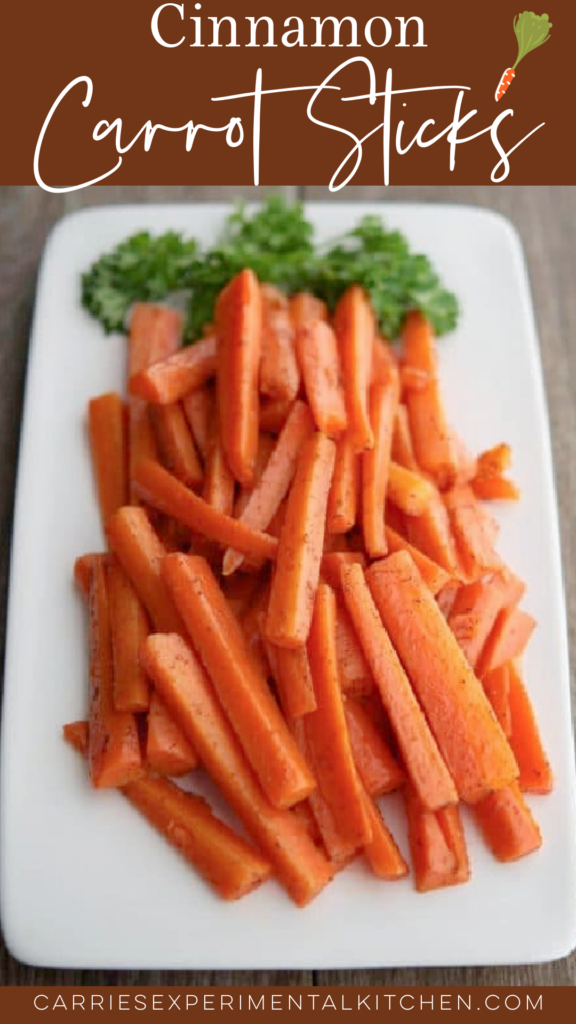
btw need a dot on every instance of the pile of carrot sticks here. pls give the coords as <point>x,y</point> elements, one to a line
<point>302,598</point>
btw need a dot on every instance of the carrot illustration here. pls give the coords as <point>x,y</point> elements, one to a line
<point>532,30</point>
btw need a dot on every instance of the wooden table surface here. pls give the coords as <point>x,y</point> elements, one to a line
<point>546,220</point>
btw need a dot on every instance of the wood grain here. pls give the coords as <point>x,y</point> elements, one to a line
<point>546,219</point>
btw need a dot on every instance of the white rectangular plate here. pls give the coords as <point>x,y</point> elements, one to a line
<point>85,882</point>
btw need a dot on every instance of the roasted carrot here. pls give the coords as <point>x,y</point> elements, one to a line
<point>279,373</point>
<point>377,767</point>
<point>510,634</point>
<point>355,330</point>
<point>495,488</point>
<point>384,361</point>
<point>219,483</point>
<point>231,866</point>
<point>432,535</point>
<point>433,442</point>
<point>300,547</point>
<point>338,847</point>
<point>382,854</point>
<point>291,670</point>
<point>130,627</point>
<point>446,597</point>
<point>411,492</point>
<point>238,326</point>
<point>433,861</point>
<point>493,462</point>
<point>168,752</point>
<point>473,614</point>
<point>474,531</point>
<point>108,445</point>
<point>326,730</point>
<point>140,553</point>
<point>83,569</point>
<point>332,563</point>
<point>199,411</point>
<point>276,478</point>
<point>535,771</point>
<point>450,821</point>
<point>434,576</point>
<point>163,491</point>
<point>114,756</point>
<point>497,688</point>
<point>356,679</point>
<point>245,697</point>
<point>175,443</point>
<point>469,737</point>
<point>402,447</point>
<point>273,415</point>
<point>507,825</point>
<point>305,307</point>
<point>422,759</point>
<point>141,441</point>
<point>383,402</point>
<point>172,379</point>
<point>343,497</point>
<point>319,362</point>
<point>266,445</point>
<point>183,684</point>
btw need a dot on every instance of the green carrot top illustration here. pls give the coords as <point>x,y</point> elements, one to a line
<point>532,30</point>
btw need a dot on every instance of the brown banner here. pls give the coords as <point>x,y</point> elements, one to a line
<point>244,1003</point>
<point>139,62</point>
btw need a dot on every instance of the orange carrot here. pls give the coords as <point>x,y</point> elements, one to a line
<point>535,771</point>
<point>238,326</point>
<point>276,478</point>
<point>175,443</point>
<point>473,614</point>
<point>355,330</point>
<point>356,679</point>
<point>114,756</point>
<point>419,345</point>
<point>83,569</point>
<point>140,553</point>
<point>384,361</point>
<point>433,442</point>
<point>291,670</point>
<point>469,737</point>
<point>507,825</point>
<point>300,547</point>
<point>326,731</point>
<point>108,445</point>
<point>305,307</point>
<point>411,492</point>
<point>279,373</point>
<point>431,533</point>
<point>493,462</point>
<point>141,441</point>
<point>219,484</point>
<point>446,597</point>
<point>183,684</point>
<point>497,688</point>
<point>513,588</point>
<point>338,847</point>
<point>172,379</point>
<point>266,445</point>
<point>343,498</point>
<point>243,692</point>
<point>474,531</point>
<point>76,734</point>
<point>376,765</point>
<point>402,447</point>
<point>273,415</point>
<point>510,634</point>
<point>304,813</point>
<point>168,752</point>
<point>129,625</point>
<point>450,822</point>
<point>495,488</point>
<point>420,754</point>
<point>434,576</point>
<point>381,853</point>
<point>163,491</point>
<point>317,353</point>
<point>433,861</point>
<point>199,411</point>
<point>383,401</point>
<point>333,561</point>
<point>505,83</point>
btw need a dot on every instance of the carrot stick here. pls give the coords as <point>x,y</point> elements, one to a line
<point>410,492</point>
<point>163,491</point>
<point>384,361</point>
<point>129,626</point>
<point>183,684</point>
<point>469,737</point>
<point>338,847</point>
<point>175,443</point>
<point>219,483</point>
<point>473,614</point>
<point>402,447</point>
<point>83,569</point>
<point>510,635</point>
<point>474,532</point>
<point>172,379</point>
<point>355,330</point>
<point>300,547</point>
<point>383,401</point>
<point>376,765</point>
<point>266,445</point>
<point>291,670</point>
<point>326,731</point>
<point>317,352</point>
<point>108,445</point>
<point>450,822</point>
<point>239,325</point>
<point>279,373</point>
<point>333,561</point>
<point>199,411</point>
<point>303,811</point>
<point>141,441</point>
<point>495,488</point>
<point>243,692</point>
<point>507,825</point>
<point>305,307</point>
<point>446,597</point>
<point>168,752</point>
<point>493,462</point>
<point>381,853</point>
<point>419,345</point>
<point>433,442</point>
<point>535,771</point>
<point>273,415</point>
<point>230,865</point>
<point>276,478</point>
<point>432,535</point>
<point>420,754</point>
<point>434,576</point>
<point>497,688</point>
<point>356,679</point>
<point>433,861</point>
<point>140,553</point>
<point>343,497</point>
<point>114,747</point>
